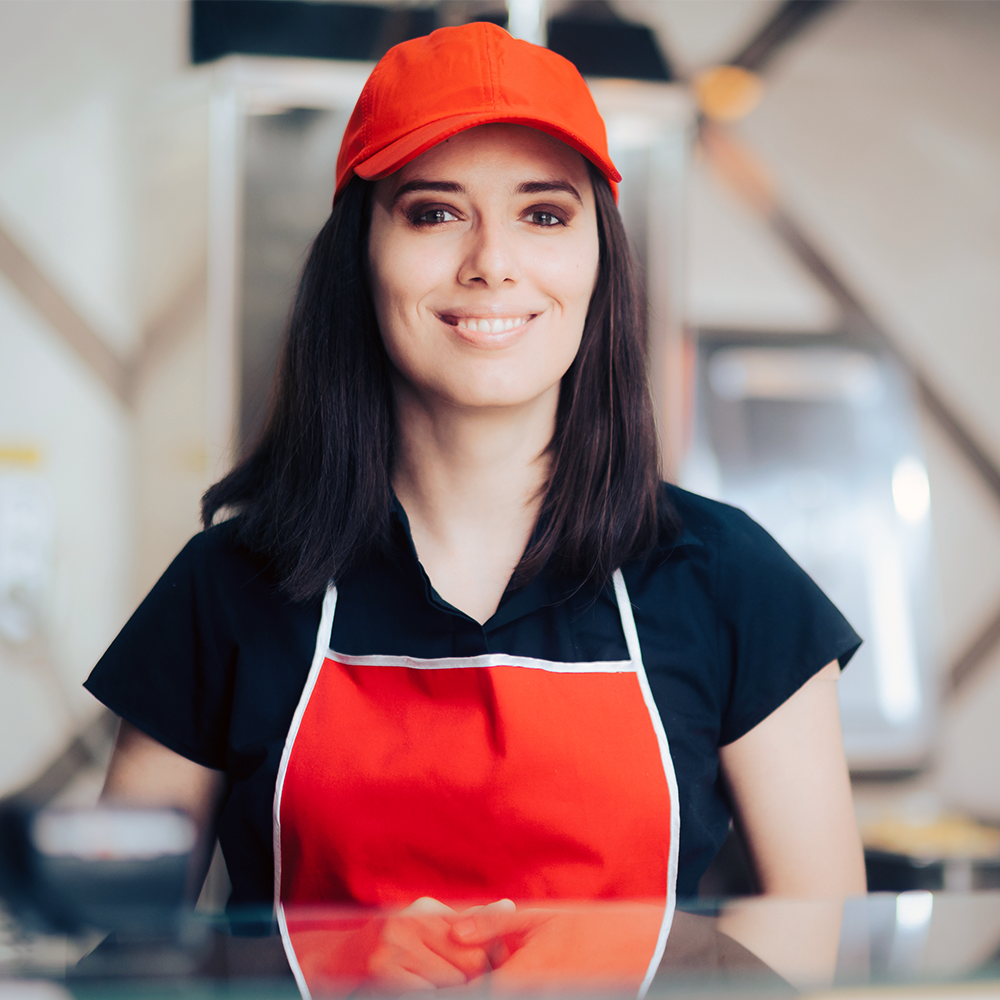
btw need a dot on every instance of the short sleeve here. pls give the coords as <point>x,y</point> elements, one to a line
<point>777,628</point>
<point>167,671</point>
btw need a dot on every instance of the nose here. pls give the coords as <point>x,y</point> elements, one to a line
<point>490,257</point>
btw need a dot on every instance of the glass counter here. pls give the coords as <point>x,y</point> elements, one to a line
<point>918,944</point>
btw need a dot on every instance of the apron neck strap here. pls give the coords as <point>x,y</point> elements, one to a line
<point>628,621</point>
<point>325,633</point>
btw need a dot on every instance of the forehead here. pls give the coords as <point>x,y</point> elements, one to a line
<point>497,149</point>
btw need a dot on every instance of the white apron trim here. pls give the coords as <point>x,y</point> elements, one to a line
<point>633,665</point>
<point>319,658</point>
<point>486,660</point>
<point>635,651</point>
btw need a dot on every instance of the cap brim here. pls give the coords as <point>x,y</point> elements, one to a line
<point>397,154</point>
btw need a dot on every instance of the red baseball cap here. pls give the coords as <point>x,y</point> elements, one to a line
<point>427,89</point>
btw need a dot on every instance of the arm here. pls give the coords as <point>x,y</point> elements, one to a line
<point>143,772</point>
<point>792,796</point>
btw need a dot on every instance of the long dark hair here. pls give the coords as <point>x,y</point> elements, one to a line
<point>313,493</point>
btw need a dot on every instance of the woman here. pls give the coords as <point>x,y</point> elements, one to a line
<point>536,675</point>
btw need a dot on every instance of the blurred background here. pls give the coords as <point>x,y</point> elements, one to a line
<point>811,189</point>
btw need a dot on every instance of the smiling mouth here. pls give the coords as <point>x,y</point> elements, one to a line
<point>485,324</point>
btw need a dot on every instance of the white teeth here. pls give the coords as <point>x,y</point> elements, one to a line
<point>491,325</point>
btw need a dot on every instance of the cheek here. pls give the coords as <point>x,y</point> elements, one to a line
<point>390,268</point>
<point>402,276</point>
<point>571,281</point>
<point>385,270</point>
<point>396,297</point>
<point>376,252</point>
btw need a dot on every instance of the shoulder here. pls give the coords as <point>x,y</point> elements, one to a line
<point>214,625</point>
<point>219,543</point>
<point>703,548</point>
<point>749,578</point>
<point>214,594</point>
<point>217,556</point>
<point>688,520</point>
<point>768,625</point>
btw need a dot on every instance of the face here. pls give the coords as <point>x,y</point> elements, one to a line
<point>483,254</point>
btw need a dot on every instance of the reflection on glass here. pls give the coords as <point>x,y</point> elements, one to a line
<point>755,946</point>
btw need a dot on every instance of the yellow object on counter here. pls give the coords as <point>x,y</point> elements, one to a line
<point>947,836</point>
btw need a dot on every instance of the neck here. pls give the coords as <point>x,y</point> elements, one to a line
<point>471,482</point>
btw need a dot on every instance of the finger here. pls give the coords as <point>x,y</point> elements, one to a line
<point>428,905</point>
<point>398,981</point>
<point>472,960</point>
<point>421,943</point>
<point>482,924</point>
<point>433,967</point>
<point>434,934</point>
<point>416,967</point>
<point>386,972</point>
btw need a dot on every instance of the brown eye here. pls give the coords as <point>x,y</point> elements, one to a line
<point>545,219</point>
<point>433,217</point>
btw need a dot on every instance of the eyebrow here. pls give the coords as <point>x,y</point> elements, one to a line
<point>450,187</point>
<point>542,187</point>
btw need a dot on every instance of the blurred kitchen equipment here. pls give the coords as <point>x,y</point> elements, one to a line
<point>114,869</point>
<point>819,442</point>
<point>907,850</point>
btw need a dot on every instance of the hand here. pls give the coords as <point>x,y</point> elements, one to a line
<point>602,945</point>
<point>500,929</point>
<point>418,951</point>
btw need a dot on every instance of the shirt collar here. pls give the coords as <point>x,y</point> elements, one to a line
<point>546,588</point>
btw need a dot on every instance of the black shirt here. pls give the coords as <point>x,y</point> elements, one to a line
<point>213,662</point>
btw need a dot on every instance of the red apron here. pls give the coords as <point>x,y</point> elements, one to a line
<point>470,780</point>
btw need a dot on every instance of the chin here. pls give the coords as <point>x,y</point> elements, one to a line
<point>513,390</point>
<point>492,400</point>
